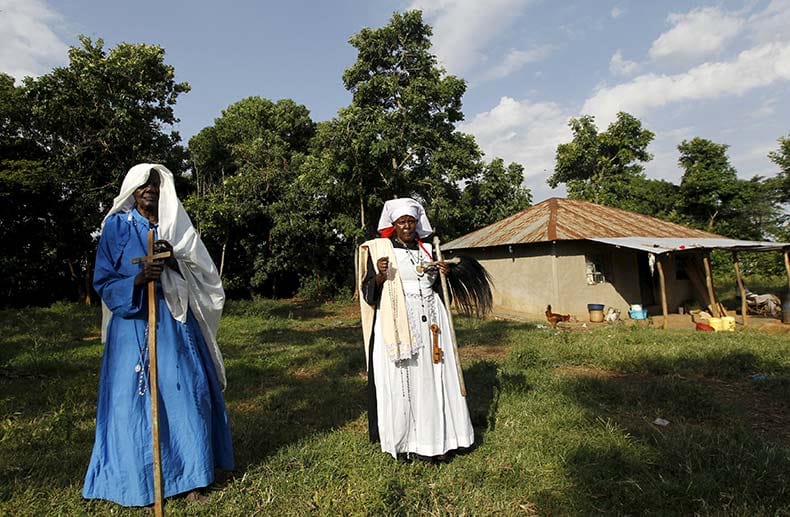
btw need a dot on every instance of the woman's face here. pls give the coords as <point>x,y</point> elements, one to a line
<point>146,196</point>
<point>406,228</point>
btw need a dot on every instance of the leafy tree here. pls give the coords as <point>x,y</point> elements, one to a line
<point>781,157</point>
<point>709,183</point>
<point>715,199</point>
<point>656,198</point>
<point>602,167</point>
<point>245,165</point>
<point>27,219</point>
<point>89,122</point>
<point>398,137</point>
<point>496,194</point>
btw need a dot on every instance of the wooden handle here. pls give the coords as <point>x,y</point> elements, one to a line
<point>437,352</point>
<point>153,379</point>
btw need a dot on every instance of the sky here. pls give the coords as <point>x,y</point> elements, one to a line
<point>715,70</point>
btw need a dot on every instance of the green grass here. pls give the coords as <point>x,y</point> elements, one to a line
<point>563,419</point>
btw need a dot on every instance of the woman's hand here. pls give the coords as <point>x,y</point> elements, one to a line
<point>150,273</point>
<point>162,245</point>
<point>444,267</point>
<point>383,265</point>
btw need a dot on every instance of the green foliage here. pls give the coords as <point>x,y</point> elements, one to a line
<point>715,199</point>
<point>603,167</point>
<point>250,201</point>
<point>498,193</point>
<point>74,133</point>
<point>398,137</point>
<point>563,420</point>
<point>781,157</point>
<point>282,201</point>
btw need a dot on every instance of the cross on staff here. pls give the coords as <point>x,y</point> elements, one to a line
<point>152,375</point>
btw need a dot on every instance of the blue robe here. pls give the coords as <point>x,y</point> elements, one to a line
<point>193,429</point>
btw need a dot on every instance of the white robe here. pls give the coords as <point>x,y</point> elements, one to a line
<point>419,403</point>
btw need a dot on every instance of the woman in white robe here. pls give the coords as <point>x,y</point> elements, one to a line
<point>415,404</point>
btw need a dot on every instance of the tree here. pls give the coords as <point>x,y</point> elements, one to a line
<point>715,199</point>
<point>31,271</point>
<point>781,157</point>
<point>89,122</point>
<point>496,194</point>
<point>398,137</point>
<point>602,167</point>
<point>709,182</point>
<point>245,165</point>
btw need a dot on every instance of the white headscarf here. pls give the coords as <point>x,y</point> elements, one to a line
<point>200,288</point>
<point>396,208</point>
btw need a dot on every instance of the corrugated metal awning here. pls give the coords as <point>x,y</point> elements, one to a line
<point>660,245</point>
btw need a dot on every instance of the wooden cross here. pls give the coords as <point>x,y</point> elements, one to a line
<point>152,375</point>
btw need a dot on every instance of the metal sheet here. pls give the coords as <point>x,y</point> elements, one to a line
<point>665,245</point>
<point>567,219</point>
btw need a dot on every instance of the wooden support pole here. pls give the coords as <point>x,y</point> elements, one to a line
<point>714,307</point>
<point>741,289</point>
<point>662,280</point>
<point>787,267</point>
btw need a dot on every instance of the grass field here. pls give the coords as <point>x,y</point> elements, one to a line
<point>563,420</point>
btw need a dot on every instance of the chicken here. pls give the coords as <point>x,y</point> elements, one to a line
<point>555,318</point>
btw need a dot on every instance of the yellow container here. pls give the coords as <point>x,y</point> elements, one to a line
<point>728,323</point>
<point>717,324</point>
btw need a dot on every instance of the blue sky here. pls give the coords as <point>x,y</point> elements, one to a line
<point>717,70</point>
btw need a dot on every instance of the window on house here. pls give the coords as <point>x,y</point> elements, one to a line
<point>596,269</point>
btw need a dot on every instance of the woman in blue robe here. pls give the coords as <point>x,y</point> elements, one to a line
<point>193,429</point>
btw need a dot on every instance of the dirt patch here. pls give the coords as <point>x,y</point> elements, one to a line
<point>593,373</point>
<point>304,373</point>
<point>754,408</point>
<point>244,408</point>
<point>344,312</point>
<point>483,352</point>
<point>775,328</point>
<point>763,413</point>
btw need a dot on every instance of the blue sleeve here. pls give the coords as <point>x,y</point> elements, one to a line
<point>113,281</point>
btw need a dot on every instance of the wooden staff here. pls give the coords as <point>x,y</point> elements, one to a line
<point>446,294</point>
<point>152,374</point>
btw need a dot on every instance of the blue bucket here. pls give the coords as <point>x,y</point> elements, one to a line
<point>637,315</point>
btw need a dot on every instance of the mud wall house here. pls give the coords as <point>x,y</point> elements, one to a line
<point>570,253</point>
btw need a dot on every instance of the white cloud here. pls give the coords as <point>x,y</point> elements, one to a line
<point>766,109</point>
<point>751,69</point>
<point>696,34</point>
<point>525,132</point>
<point>772,23</point>
<point>617,12</point>
<point>620,66</point>
<point>515,60</point>
<point>463,28</point>
<point>28,45</point>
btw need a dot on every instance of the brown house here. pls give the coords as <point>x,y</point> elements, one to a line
<point>571,253</point>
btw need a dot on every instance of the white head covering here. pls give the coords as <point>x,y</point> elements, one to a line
<point>396,208</point>
<point>200,288</point>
